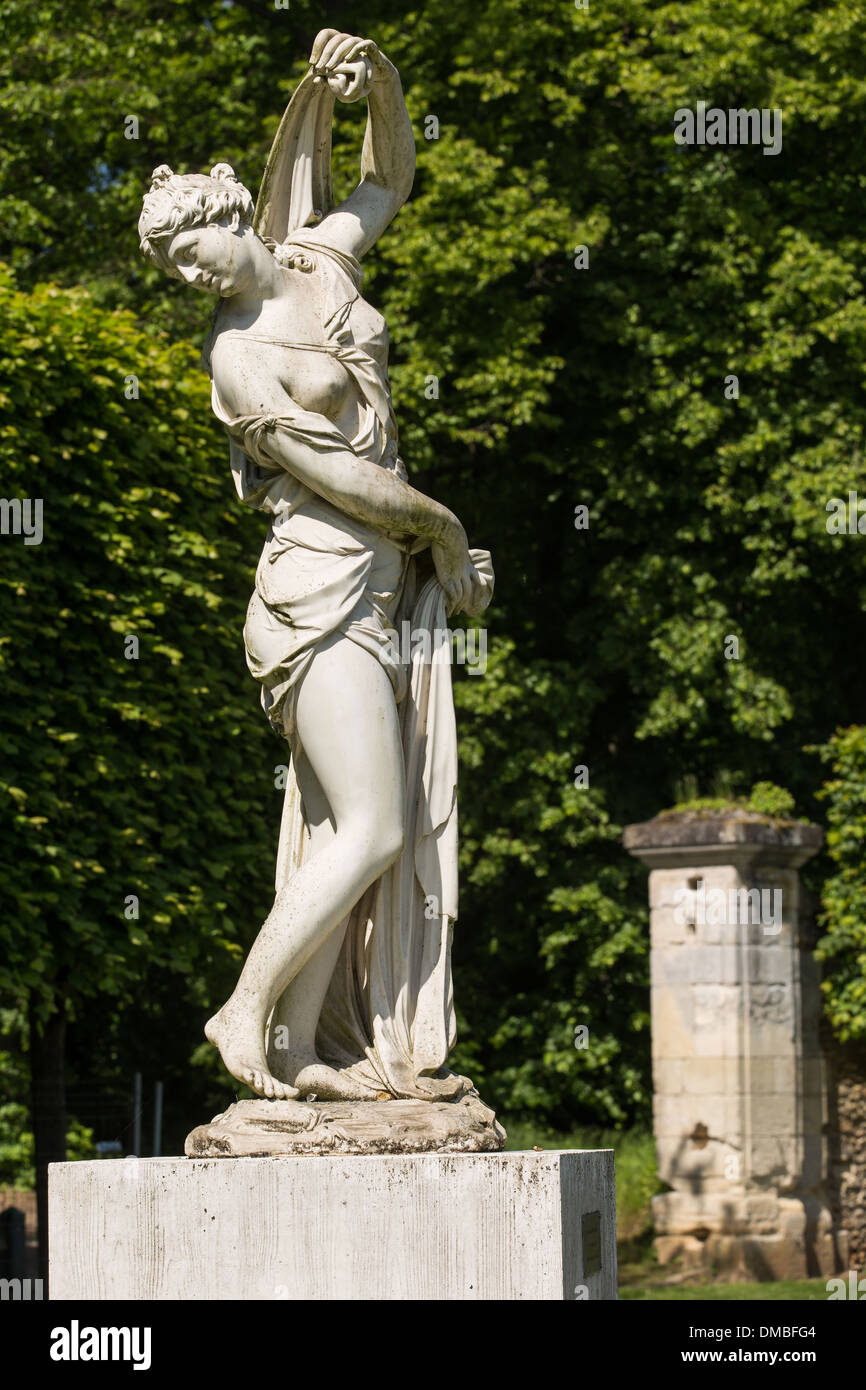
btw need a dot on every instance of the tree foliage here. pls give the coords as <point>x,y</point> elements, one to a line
<point>127,706</point>
<point>842,949</point>
<point>558,387</point>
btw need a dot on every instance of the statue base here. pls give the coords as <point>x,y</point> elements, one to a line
<point>431,1226</point>
<point>260,1128</point>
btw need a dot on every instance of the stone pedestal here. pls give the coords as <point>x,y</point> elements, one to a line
<point>738,1080</point>
<point>373,1227</point>
<point>264,1128</point>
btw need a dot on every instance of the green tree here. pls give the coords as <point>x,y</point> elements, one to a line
<point>842,948</point>
<point>559,387</point>
<point>128,710</point>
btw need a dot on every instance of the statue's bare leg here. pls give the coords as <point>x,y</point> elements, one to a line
<point>349,730</point>
<point>294,1059</point>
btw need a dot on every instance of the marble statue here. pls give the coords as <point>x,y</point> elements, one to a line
<point>346,994</point>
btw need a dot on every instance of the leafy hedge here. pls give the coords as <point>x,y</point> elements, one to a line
<point>842,948</point>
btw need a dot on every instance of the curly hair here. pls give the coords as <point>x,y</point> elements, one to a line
<point>178,201</point>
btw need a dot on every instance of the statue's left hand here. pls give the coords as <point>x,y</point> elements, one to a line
<point>482,591</point>
<point>466,577</point>
<point>345,62</point>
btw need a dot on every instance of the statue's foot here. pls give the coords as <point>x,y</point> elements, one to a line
<point>243,1052</point>
<point>310,1076</point>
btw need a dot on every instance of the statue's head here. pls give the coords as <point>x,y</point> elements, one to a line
<point>197,227</point>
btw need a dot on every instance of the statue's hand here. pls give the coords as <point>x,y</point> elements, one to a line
<point>345,62</point>
<point>466,590</point>
<point>483,590</point>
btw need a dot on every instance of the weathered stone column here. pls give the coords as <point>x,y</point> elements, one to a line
<point>737,1075</point>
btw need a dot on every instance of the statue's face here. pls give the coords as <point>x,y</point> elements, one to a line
<point>213,258</point>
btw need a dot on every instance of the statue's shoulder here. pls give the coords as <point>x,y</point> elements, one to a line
<point>329,239</point>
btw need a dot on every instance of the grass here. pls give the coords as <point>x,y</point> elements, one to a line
<point>791,1291</point>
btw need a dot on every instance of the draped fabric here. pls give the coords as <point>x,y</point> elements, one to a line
<point>320,571</point>
<point>296,188</point>
<point>388,1018</point>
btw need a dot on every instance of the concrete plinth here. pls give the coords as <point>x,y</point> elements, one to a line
<point>372,1227</point>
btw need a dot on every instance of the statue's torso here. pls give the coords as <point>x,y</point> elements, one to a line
<point>284,350</point>
<point>254,376</point>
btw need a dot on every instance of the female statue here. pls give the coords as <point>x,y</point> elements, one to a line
<point>346,993</point>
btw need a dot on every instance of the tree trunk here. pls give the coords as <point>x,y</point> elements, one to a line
<point>48,1110</point>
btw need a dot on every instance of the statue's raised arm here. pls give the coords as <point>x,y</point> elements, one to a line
<point>296,188</point>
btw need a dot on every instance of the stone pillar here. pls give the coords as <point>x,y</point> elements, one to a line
<point>739,1093</point>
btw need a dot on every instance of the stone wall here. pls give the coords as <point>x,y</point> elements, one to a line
<point>847,1144</point>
